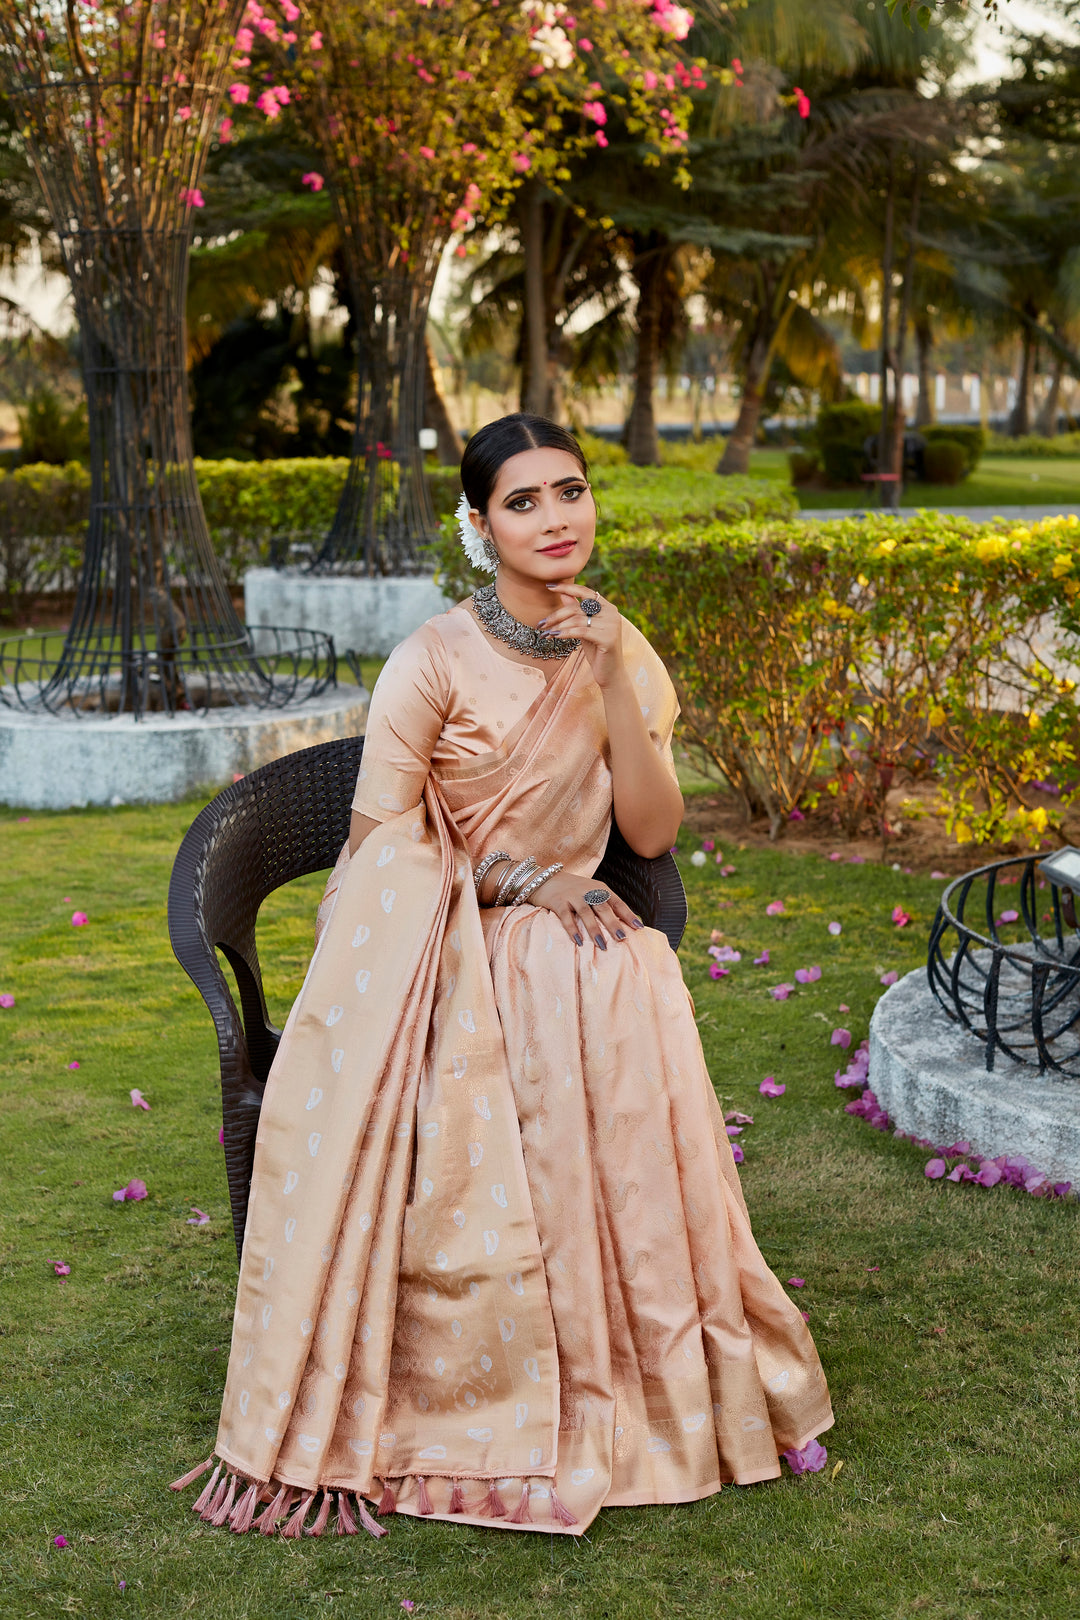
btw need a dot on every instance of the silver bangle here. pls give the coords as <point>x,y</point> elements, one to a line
<point>535,882</point>
<point>486,864</point>
<point>514,879</point>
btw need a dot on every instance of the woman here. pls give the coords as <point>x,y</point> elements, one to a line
<point>497,1265</point>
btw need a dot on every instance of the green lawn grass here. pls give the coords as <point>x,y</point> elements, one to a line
<point>998,481</point>
<point>947,1317</point>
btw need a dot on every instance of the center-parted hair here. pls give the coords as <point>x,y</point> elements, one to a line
<point>490,446</point>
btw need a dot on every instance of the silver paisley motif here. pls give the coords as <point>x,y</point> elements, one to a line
<point>522,637</point>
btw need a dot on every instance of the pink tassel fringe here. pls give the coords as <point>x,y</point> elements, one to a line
<point>323,1516</point>
<point>346,1524</point>
<point>425,1504</point>
<point>371,1525</point>
<point>226,1507</point>
<point>492,1507</point>
<point>560,1514</point>
<point>189,1479</point>
<point>387,1501</point>
<point>295,1527</point>
<point>457,1501</point>
<point>207,1514</point>
<point>264,1524</point>
<point>206,1495</point>
<point>244,1511</point>
<point>521,1514</point>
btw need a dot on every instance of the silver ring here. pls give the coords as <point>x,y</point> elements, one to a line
<point>591,606</point>
<point>597,897</point>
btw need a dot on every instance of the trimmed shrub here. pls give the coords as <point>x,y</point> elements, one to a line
<point>842,431</point>
<point>1064,445</point>
<point>945,461</point>
<point>802,465</point>
<point>973,440</point>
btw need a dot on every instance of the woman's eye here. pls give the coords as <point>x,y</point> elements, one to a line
<point>574,491</point>
<point>522,504</point>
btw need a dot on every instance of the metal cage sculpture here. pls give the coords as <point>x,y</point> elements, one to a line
<point>116,104</point>
<point>1019,996</point>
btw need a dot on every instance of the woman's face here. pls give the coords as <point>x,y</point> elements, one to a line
<point>541,515</point>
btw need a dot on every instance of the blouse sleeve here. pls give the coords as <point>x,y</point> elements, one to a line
<point>405,717</point>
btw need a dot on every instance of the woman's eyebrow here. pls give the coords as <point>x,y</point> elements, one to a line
<point>534,489</point>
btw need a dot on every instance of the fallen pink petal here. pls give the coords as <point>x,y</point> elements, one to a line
<point>716,936</point>
<point>836,928</point>
<point>780,992</point>
<point>726,871</point>
<point>843,1007</point>
<point>737,1153</point>
<point>796,1282</point>
<point>61,1268</point>
<point>796,815</point>
<point>61,1541</point>
<point>7,999</point>
<point>810,1460</point>
<point>75,1064</point>
<point>138,1100</point>
<point>198,1217</point>
<point>808,975</point>
<point>835,855</point>
<point>735,1117</point>
<point>79,919</point>
<point>935,1169</point>
<point>774,908</point>
<point>890,977</point>
<point>734,1130</point>
<point>770,1087</point>
<point>718,972</point>
<point>762,960</point>
<point>840,1037</point>
<point>408,1604</point>
<point>939,874</point>
<point>708,846</point>
<point>221,1135</point>
<point>805,1315</point>
<point>900,917</point>
<point>132,1193</point>
<point>1009,916</point>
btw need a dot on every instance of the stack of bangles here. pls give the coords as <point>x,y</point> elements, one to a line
<point>516,885</point>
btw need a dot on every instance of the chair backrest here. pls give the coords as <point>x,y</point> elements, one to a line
<point>278,823</point>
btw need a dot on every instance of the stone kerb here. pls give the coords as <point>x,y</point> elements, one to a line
<point>367,616</point>
<point>930,1077</point>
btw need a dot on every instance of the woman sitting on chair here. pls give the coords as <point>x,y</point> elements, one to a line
<point>497,1265</point>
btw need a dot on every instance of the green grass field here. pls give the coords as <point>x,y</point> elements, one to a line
<point>947,1317</point>
<point>998,481</point>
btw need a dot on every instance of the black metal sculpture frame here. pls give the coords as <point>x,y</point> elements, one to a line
<point>1017,996</point>
<point>117,132</point>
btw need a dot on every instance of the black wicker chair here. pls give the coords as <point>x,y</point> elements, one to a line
<point>280,822</point>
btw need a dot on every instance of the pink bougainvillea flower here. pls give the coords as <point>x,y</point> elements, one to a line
<point>239,93</point>
<point>221,1135</point>
<point>890,977</point>
<point>132,1193</point>
<point>808,975</point>
<point>426,152</point>
<point>408,1605</point>
<point>198,1217</point>
<point>840,1037</point>
<point>183,113</point>
<point>796,815</point>
<point>193,197</point>
<point>844,1007</point>
<point>724,953</point>
<point>79,919</point>
<point>75,1064</point>
<point>522,162</point>
<point>718,972</point>
<point>595,110</point>
<point>312,179</point>
<point>774,908</point>
<point>835,855</point>
<point>61,1541</point>
<point>7,999</point>
<point>762,960</point>
<point>68,901</point>
<point>735,1117</point>
<point>810,1460</point>
<point>770,1087</point>
<point>61,1268</point>
<point>726,871</point>
<point>1009,916</point>
<point>138,1100</point>
<point>315,42</point>
<point>802,102</point>
<point>737,1153</point>
<point>989,1174</point>
<point>900,917</point>
<point>939,874</point>
<point>734,1130</point>
<point>856,860</point>
<point>873,1268</point>
<point>780,992</point>
<point>836,928</point>
<point>805,1315</point>
<point>708,845</point>
<point>935,1169</point>
<point>796,1282</point>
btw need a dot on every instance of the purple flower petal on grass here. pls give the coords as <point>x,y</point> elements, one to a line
<point>221,1135</point>
<point>810,1460</point>
<point>132,1193</point>
<point>138,1100</point>
<point>890,977</point>
<point>737,1153</point>
<point>735,1117</point>
<point>718,972</point>
<point>808,975</point>
<point>780,992</point>
<point>836,928</point>
<point>75,1064</point>
<point>840,1037</point>
<point>79,919</point>
<point>61,1268</point>
<point>61,1541</point>
<point>734,1130</point>
<point>796,1282</point>
<point>939,875</point>
<point>835,855</point>
<point>7,999</point>
<point>796,815</point>
<point>769,1087</point>
<point>198,1217</point>
<point>935,1169</point>
<point>762,960</point>
<point>774,908</point>
<point>1009,916</point>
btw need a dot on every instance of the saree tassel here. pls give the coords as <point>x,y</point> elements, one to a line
<point>207,1514</point>
<point>457,1501</point>
<point>425,1504</point>
<point>493,1506</point>
<point>189,1478</point>
<point>226,1507</point>
<point>322,1518</point>
<point>264,1524</point>
<point>346,1524</point>
<point>560,1514</point>
<point>206,1495</point>
<point>521,1514</point>
<point>372,1526</point>
<point>387,1501</point>
<point>295,1527</point>
<point>244,1511</point>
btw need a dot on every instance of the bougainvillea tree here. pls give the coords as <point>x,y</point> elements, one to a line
<point>427,114</point>
<point>116,103</point>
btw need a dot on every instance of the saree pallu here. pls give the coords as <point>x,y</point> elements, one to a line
<point>497,1265</point>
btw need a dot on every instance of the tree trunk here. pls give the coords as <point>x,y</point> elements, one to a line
<point>899,424</point>
<point>534,374</point>
<point>642,443</point>
<point>449,448</point>
<point>736,456</point>
<point>925,414</point>
<point>1020,416</point>
<point>886,497</point>
<point>1046,421</point>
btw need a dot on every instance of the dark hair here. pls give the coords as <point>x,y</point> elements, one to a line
<point>490,446</point>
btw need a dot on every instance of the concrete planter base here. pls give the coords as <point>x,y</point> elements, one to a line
<point>929,1076</point>
<point>365,616</point>
<point>48,763</point>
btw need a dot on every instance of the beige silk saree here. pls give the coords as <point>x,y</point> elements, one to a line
<point>497,1264</point>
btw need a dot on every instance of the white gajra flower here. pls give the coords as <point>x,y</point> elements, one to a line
<point>472,541</point>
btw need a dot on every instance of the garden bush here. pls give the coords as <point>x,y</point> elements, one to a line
<point>842,431</point>
<point>836,659</point>
<point>802,465</point>
<point>973,440</point>
<point>945,461</point>
<point>1064,445</point>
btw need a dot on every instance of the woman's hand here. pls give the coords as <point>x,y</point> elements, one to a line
<point>564,894</point>
<point>600,635</point>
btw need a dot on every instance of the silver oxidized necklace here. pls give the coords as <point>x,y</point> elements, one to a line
<point>522,637</point>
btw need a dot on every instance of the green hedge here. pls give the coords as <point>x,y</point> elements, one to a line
<point>825,662</point>
<point>1065,446</point>
<point>973,440</point>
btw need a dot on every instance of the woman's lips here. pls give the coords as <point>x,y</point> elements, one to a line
<point>558,550</point>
